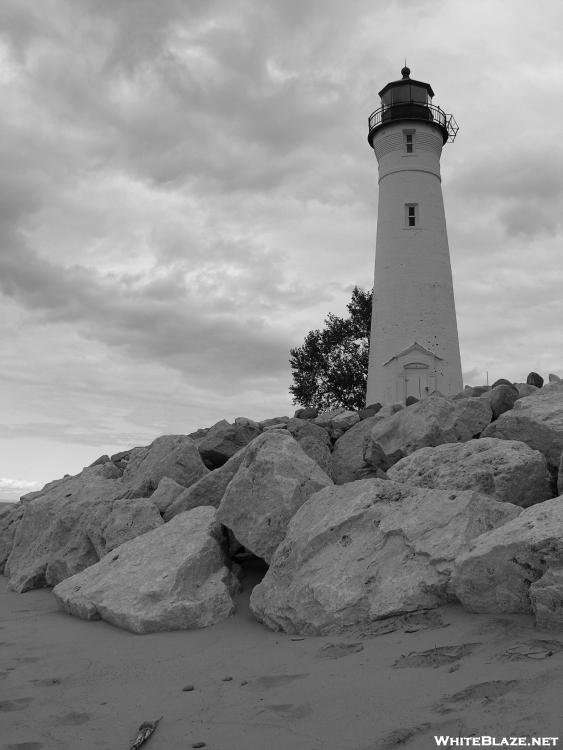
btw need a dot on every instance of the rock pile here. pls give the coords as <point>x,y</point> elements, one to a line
<point>361,516</point>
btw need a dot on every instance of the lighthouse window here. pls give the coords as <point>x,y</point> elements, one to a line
<point>409,141</point>
<point>411,214</point>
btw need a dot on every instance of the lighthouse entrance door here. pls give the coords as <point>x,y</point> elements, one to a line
<point>418,379</point>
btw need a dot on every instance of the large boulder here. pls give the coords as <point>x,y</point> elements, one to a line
<point>536,420</point>
<point>172,578</point>
<point>501,398</point>
<point>167,492</point>
<point>313,440</point>
<point>208,491</point>
<point>546,597</point>
<point>337,421</point>
<point>223,440</point>
<point>498,571</point>
<point>368,550</point>
<point>173,456</point>
<point>507,470</point>
<point>430,422</point>
<point>275,478</point>
<point>9,521</point>
<point>348,463</point>
<point>72,523</point>
<point>534,379</point>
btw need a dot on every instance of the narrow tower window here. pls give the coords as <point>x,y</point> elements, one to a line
<point>411,214</point>
<point>409,141</point>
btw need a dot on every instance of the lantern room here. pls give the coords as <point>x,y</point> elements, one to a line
<point>408,99</point>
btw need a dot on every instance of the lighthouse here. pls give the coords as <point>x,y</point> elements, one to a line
<point>414,347</point>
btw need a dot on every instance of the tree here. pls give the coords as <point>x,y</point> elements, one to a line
<point>330,368</point>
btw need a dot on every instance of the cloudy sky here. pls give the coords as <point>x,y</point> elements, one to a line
<point>187,190</point>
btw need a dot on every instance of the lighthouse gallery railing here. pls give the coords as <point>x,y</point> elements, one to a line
<point>413,111</point>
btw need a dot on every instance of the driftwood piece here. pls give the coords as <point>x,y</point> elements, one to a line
<point>144,732</point>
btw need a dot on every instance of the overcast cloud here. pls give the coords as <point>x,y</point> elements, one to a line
<point>187,190</point>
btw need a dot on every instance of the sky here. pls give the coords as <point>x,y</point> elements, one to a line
<point>186,190</point>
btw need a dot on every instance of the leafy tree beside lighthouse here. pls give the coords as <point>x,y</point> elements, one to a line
<point>330,368</point>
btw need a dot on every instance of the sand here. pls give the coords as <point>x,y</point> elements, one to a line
<point>67,683</point>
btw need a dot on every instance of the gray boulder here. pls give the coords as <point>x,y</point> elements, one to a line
<point>507,470</point>
<point>536,420</point>
<point>368,550</point>
<point>525,389</point>
<point>306,413</point>
<point>501,398</point>
<point>498,570</point>
<point>166,493</point>
<point>172,578</point>
<point>209,490</point>
<point>274,479</point>
<point>534,379</point>
<point>71,524</point>
<point>9,521</point>
<point>546,598</point>
<point>552,378</point>
<point>313,440</point>
<point>432,421</point>
<point>348,462</point>
<point>224,440</point>
<point>172,456</point>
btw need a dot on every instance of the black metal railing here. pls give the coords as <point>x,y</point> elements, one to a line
<point>413,111</point>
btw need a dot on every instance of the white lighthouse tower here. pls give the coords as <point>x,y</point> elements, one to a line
<point>414,347</point>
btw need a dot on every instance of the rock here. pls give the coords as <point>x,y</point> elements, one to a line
<point>536,420</point>
<point>475,413</point>
<point>72,523</point>
<point>348,462</point>
<point>342,422</point>
<point>506,470</point>
<point>546,597</point>
<point>389,409</point>
<point>167,492</point>
<point>246,422</point>
<point>369,411</point>
<point>524,389</point>
<point>368,550</point>
<point>209,490</point>
<point>552,378</point>
<point>432,421</point>
<point>313,440</point>
<point>501,398</point>
<point>274,479</point>
<point>477,390</point>
<point>501,381</point>
<point>273,420</point>
<point>120,459</point>
<point>411,400</point>
<point>101,460</point>
<point>224,440</point>
<point>172,456</point>
<point>560,476</point>
<point>172,578</point>
<point>534,379</point>
<point>199,434</point>
<point>306,413</point>
<point>276,426</point>
<point>9,521</point>
<point>496,573</point>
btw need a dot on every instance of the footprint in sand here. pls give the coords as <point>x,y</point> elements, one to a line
<point>291,710</point>
<point>47,681</point>
<point>276,680</point>
<point>535,649</point>
<point>72,718</point>
<point>435,657</point>
<point>16,704</point>
<point>28,659</point>
<point>338,650</point>
<point>23,746</point>
<point>483,692</point>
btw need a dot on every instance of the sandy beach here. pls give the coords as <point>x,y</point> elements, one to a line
<point>67,683</point>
